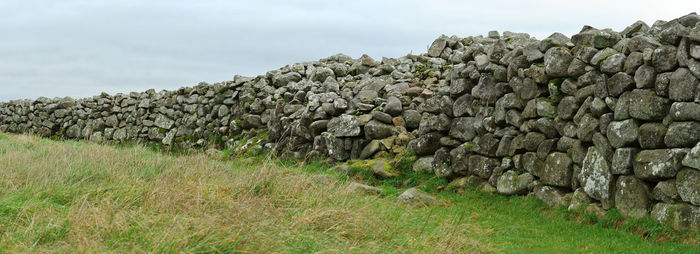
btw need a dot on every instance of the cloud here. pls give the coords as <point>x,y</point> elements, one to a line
<point>82,48</point>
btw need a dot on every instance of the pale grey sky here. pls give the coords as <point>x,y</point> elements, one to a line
<point>80,48</point>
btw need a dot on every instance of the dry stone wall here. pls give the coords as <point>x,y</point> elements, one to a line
<point>602,119</point>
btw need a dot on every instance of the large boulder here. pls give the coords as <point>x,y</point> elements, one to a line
<point>632,197</point>
<point>596,177</point>
<point>688,185</point>
<point>658,164</point>
<point>558,170</point>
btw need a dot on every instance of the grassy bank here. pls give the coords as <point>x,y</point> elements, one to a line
<point>65,196</point>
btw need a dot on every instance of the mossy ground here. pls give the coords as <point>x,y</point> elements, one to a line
<point>67,196</point>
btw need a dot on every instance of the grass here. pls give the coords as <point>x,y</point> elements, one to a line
<point>67,196</point>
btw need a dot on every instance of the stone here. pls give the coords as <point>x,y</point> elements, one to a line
<point>382,117</point>
<point>250,121</point>
<point>163,122</point>
<point>596,178</point>
<point>412,118</point>
<point>546,108</point>
<point>423,164</point>
<point>685,111</point>
<point>370,149</point>
<point>692,158</point>
<point>511,183</point>
<point>622,160</point>
<point>613,64</point>
<point>482,166</point>
<point>377,130</point>
<point>631,197</point>
<point>622,133</point>
<point>437,46</point>
<point>688,185</point>
<point>645,76</point>
<point>558,170</point>
<point>579,200</point>
<point>355,187</point>
<point>556,62</point>
<point>344,126</point>
<point>416,197</point>
<point>683,85</point>
<point>587,127</point>
<point>665,191</point>
<point>682,134</point>
<point>393,106</point>
<point>645,105</point>
<point>567,108</point>
<point>551,196</point>
<point>382,169</point>
<point>463,128</point>
<point>426,144</point>
<point>658,164</point>
<point>664,58</point>
<point>651,135</point>
<point>619,83</point>
<point>679,216</point>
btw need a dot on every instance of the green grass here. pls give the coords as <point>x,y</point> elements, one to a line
<point>66,197</point>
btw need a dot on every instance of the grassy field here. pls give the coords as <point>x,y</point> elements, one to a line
<point>80,197</point>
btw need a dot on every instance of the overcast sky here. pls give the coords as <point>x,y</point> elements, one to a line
<point>81,48</point>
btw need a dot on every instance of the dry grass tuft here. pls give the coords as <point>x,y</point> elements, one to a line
<point>80,197</point>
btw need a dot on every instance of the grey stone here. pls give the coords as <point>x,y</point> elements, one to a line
<point>664,58</point>
<point>423,164</point>
<point>344,126</point>
<point>370,149</point>
<point>426,144</point>
<point>682,134</point>
<point>579,200</point>
<point>463,128</point>
<point>393,106</point>
<point>596,178</point>
<point>250,121</point>
<point>511,183</point>
<point>556,62</point>
<point>163,122</point>
<point>685,111</point>
<point>482,166</point>
<point>622,133</point>
<point>658,164</point>
<point>688,185</point>
<point>412,118</point>
<point>619,83</point>
<point>692,159</point>
<point>551,196</point>
<point>645,105</point>
<point>682,85</point>
<point>355,187</point>
<point>622,160</point>
<point>631,197</point>
<point>567,108</point>
<point>557,171</point>
<point>613,64</point>
<point>416,197</point>
<point>382,117</point>
<point>666,191</point>
<point>651,135</point>
<point>679,216</point>
<point>645,76</point>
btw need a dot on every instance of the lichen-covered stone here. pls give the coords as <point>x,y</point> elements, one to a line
<point>688,185</point>
<point>631,197</point>
<point>658,164</point>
